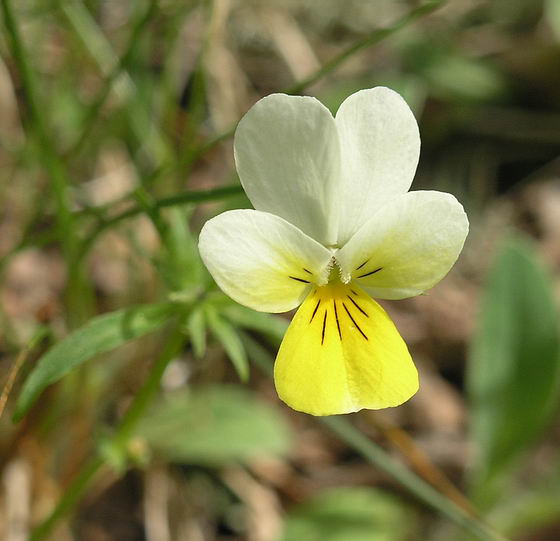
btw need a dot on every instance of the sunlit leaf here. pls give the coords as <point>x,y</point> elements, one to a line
<point>100,335</point>
<point>513,376</point>
<point>350,514</point>
<point>214,426</point>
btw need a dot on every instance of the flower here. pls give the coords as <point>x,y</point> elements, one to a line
<point>334,226</point>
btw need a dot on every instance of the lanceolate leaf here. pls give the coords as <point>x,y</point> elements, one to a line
<point>100,335</point>
<point>226,334</point>
<point>196,327</point>
<point>271,325</point>
<point>513,377</point>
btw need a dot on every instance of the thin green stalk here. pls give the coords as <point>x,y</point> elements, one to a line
<point>185,198</point>
<point>122,65</point>
<point>196,106</point>
<point>141,401</point>
<point>46,237</point>
<point>372,38</point>
<point>18,363</point>
<point>150,387</point>
<point>367,41</point>
<point>69,499</point>
<point>147,204</point>
<point>154,143</point>
<point>37,125</point>
<point>414,484</point>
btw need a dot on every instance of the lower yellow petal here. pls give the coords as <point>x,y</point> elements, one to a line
<point>342,353</point>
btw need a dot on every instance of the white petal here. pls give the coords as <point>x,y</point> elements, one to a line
<point>380,146</point>
<point>288,159</point>
<point>408,246</point>
<point>261,260</point>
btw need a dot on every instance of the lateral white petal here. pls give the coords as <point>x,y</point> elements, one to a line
<point>262,261</point>
<point>380,146</point>
<point>407,247</point>
<point>288,159</point>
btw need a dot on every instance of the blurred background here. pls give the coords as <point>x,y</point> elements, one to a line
<point>136,398</point>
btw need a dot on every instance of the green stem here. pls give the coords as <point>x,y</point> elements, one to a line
<point>185,198</point>
<point>38,127</point>
<point>147,205</point>
<point>422,490</point>
<point>196,106</point>
<point>85,29</point>
<point>76,490</point>
<point>372,38</point>
<point>367,41</point>
<point>69,499</point>
<point>150,387</point>
<point>92,114</point>
<point>37,122</point>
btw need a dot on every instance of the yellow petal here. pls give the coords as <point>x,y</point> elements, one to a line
<point>342,353</point>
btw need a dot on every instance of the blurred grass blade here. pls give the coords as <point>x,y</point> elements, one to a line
<point>384,462</point>
<point>92,114</point>
<point>100,50</point>
<point>374,37</point>
<point>38,126</point>
<point>369,40</point>
<point>226,334</point>
<point>214,426</point>
<point>196,328</point>
<point>100,335</point>
<point>23,355</point>
<point>414,484</point>
<point>513,373</point>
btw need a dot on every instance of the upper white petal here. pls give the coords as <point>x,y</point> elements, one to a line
<point>380,146</point>
<point>255,258</point>
<point>288,159</point>
<point>414,241</point>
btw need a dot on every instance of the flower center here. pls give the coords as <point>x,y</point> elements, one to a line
<point>335,272</point>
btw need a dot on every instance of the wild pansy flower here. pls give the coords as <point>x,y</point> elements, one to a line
<point>334,226</point>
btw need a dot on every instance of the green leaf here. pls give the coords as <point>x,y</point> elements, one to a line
<point>272,326</point>
<point>182,266</point>
<point>100,335</point>
<point>196,327</point>
<point>226,334</point>
<point>350,513</point>
<point>513,373</point>
<point>552,16</point>
<point>214,426</point>
<point>530,510</point>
